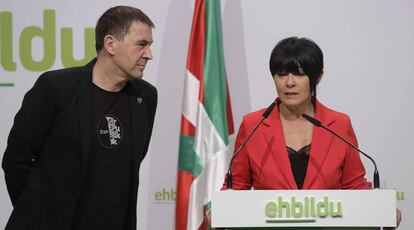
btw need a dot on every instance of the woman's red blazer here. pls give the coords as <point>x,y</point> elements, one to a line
<point>263,163</point>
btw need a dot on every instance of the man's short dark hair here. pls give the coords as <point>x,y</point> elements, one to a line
<point>293,55</point>
<point>117,21</point>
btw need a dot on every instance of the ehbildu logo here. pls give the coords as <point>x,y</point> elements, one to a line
<point>306,210</point>
<point>46,32</point>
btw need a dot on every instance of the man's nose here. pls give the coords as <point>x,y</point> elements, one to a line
<point>148,53</point>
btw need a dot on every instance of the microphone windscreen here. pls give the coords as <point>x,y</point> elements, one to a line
<point>269,110</point>
<point>312,120</point>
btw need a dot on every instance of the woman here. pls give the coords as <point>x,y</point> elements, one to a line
<point>287,151</point>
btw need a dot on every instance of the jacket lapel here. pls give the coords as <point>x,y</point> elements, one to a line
<point>138,116</point>
<point>276,142</point>
<point>85,111</point>
<point>321,143</point>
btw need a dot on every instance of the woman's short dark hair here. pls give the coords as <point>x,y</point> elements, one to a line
<point>117,21</point>
<point>293,55</point>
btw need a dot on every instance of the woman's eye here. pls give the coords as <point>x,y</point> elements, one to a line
<point>281,74</point>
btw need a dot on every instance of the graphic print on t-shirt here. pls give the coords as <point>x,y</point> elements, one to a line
<point>109,131</point>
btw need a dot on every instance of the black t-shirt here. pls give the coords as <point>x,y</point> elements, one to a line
<point>103,203</point>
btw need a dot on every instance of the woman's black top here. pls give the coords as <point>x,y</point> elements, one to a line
<point>299,163</point>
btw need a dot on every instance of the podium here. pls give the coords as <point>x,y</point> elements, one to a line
<point>303,209</point>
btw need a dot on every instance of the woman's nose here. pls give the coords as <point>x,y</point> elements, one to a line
<point>290,80</point>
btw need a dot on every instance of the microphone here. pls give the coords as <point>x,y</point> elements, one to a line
<point>229,173</point>
<point>319,124</point>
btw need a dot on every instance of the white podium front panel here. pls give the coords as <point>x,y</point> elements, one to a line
<point>304,208</point>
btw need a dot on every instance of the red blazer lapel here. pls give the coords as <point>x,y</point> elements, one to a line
<point>273,135</point>
<point>321,143</point>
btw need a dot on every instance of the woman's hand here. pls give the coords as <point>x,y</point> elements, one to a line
<point>208,218</point>
<point>399,218</point>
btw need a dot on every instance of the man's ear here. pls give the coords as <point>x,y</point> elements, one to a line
<point>109,43</point>
<point>320,77</point>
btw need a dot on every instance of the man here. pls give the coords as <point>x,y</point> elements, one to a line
<point>74,151</point>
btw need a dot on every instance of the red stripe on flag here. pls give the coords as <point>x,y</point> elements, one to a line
<point>195,58</point>
<point>201,97</point>
<point>187,128</point>
<point>230,123</point>
<point>196,49</point>
<point>184,180</point>
<point>203,226</point>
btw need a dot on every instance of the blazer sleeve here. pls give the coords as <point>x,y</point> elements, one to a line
<point>27,136</point>
<point>241,172</point>
<point>353,176</point>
